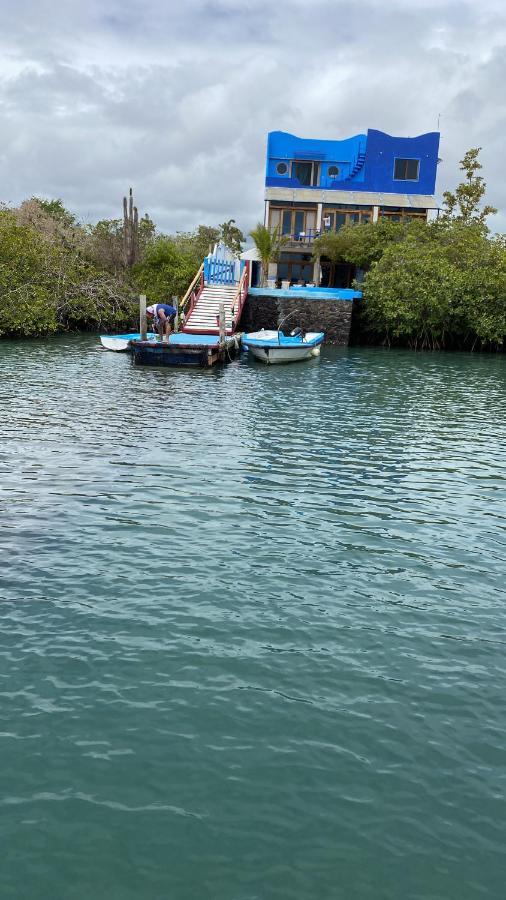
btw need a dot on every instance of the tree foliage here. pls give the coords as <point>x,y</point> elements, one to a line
<point>200,242</point>
<point>361,245</point>
<point>166,270</point>
<point>56,274</point>
<point>105,246</point>
<point>464,204</point>
<point>232,236</point>
<point>443,283</point>
<point>196,244</point>
<point>56,211</point>
<point>46,287</point>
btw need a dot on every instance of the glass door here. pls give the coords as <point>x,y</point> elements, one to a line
<point>299,224</point>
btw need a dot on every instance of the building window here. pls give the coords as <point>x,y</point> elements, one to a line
<point>281,168</point>
<point>401,214</point>
<point>295,268</point>
<point>333,171</point>
<point>293,221</point>
<point>346,214</point>
<point>296,224</point>
<point>306,173</point>
<point>406,169</point>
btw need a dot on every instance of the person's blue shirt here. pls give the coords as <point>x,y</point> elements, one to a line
<point>168,310</point>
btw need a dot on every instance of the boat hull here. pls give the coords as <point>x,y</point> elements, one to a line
<point>119,343</point>
<point>274,347</point>
<point>273,355</point>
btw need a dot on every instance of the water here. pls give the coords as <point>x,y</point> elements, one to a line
<point>253,627</point>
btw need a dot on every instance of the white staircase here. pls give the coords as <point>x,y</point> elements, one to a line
<point>203,317</point>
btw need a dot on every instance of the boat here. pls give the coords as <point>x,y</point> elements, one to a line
<point>121,342</point>
<point>276,347</point>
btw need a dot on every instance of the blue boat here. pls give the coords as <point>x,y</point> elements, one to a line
<point>276,347</point>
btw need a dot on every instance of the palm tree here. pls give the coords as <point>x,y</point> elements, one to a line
<point>269,245</point>
<point>330,245</point>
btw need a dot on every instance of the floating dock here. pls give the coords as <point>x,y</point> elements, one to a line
<point>200,350</point>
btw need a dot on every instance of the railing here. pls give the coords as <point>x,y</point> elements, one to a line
<point>306,238</point>
<point>192,295</point>
<point>219,271</point>
<point>240,296</point>
<point>299,237</point>
<point>303,237</point>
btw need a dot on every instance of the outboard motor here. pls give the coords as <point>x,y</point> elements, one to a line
<point>297,332</point>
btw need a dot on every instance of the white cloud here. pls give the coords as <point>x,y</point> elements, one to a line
<point>177,101</point>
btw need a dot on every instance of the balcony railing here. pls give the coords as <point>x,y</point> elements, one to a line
<point>299,238</point>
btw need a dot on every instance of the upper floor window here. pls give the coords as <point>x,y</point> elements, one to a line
<point>306,173</point>
<point>406,169</point>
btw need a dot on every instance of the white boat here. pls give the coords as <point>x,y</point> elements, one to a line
<point>276,347</point>
<point>121,342</point>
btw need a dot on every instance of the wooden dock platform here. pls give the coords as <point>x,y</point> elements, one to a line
<point>201,350</point>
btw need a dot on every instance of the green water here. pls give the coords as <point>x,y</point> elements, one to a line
<point>253,627</point>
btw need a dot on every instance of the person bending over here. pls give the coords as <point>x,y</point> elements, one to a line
<point>163,316</point>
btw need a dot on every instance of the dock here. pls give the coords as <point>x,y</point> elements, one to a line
<point>209,315</point>
<point>182,349</point>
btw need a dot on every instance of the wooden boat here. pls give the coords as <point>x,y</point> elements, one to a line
<point>276,347</point>
<point>121,342</point>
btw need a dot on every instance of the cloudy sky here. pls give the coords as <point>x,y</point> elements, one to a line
<point>176,98</point>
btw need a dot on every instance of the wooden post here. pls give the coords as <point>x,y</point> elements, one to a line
<point>175,304</point>
<point>143,327</point>
<point>222,324</point>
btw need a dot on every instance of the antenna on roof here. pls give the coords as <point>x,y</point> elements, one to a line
<point>438,118</point>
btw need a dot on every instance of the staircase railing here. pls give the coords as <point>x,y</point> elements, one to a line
<point>240,296</point>
<point>192,295</point>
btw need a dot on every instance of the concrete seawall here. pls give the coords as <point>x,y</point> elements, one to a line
<point>266,310</point>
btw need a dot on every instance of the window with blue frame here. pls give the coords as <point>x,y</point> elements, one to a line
<point>406,169</point>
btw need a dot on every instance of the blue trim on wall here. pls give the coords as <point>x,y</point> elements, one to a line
<point>365,162</point>
<point>305,293</point>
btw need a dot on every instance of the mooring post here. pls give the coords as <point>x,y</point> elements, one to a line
<point>175,304</point>
<point>143,327</point>
<point>222,324</point>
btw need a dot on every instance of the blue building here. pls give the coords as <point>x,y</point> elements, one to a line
<point>315,186</point>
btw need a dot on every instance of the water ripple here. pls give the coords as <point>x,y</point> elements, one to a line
<point>252,639</point>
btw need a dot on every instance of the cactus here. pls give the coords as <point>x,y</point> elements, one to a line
<point>130,232</point>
